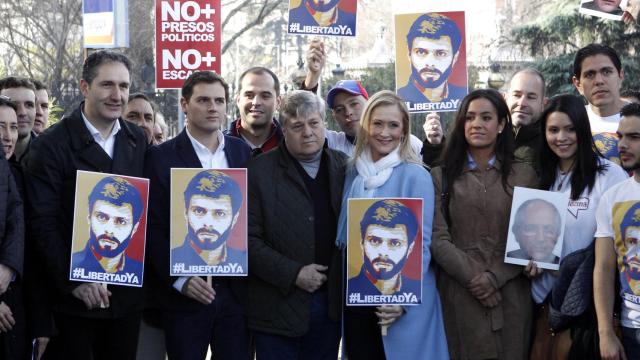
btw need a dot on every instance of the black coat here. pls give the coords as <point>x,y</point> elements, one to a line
<point>282,241</point>
<point>53,161</point>
<point>11,220</point>
<point>177,153</point>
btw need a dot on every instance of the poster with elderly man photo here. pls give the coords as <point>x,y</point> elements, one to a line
<point>431,60</point>
<point>208,222</point>
<point>109,229</point>
<point>536,227</point>
<point>606,9</point>
<point>384,252</point>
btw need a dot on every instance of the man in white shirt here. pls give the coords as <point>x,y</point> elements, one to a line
<point>195,314</point>
<point>617,248</point>
<point>598,75</point>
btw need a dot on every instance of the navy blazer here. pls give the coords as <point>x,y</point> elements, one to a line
<point>177,153</point>
<point>50,174</point>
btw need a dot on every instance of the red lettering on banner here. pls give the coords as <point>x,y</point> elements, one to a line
<point>187,40</point>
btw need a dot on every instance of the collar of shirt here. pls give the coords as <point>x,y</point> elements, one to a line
<point>472,165</point>
<point>210,159</point>
<point>267,143</point>
<point>106,144</point>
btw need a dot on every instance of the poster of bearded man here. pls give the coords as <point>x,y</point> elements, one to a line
<point>109,229</point>
<point>208,222</point>
<point>431,60</point>
<point>384,252</point>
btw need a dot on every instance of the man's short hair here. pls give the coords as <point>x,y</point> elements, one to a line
<point>117,191</point>
<point>12,82</point>
<point>93,62</point>
<point>144,97</point>
<point>390,213</point>
<point>629,93</point>
<point>39,85</point>
<point>260,70</point>
<point>434,26</point>
<point>207,77</point>
<point>6,101</point>
<point>521,218</point>
<point>631,109</point>
<point>301,103</point>
<point>534,72</point>
<point>214,184</point>
<point>593,50</point>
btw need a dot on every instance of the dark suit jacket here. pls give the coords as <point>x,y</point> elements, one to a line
<point>52,163</point>
<point>282,241</point>
<point>177,153</point>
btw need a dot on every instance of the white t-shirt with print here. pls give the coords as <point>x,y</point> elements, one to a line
<point>580,219</point>
<point>618,217</point>
<point>604,130</point>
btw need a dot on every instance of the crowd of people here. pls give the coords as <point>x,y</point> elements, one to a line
<point>301,176</point>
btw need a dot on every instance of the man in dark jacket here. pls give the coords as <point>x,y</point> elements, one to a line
<point>93,321</point>
<point>195,314</point>
<point>295,269</point>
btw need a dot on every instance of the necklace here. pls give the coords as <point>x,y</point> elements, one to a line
<point>564,176</point>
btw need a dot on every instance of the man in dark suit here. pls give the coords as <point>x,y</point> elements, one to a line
<point>195,314</point>
<point>93,321</point>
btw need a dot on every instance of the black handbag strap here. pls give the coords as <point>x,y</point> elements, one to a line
<point>444,197</point>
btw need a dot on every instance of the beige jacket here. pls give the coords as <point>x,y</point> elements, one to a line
<point>479,208</point>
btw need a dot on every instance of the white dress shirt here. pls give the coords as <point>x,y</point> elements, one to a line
<point>106,144</point>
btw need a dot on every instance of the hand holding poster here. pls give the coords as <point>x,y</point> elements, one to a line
<point>109,229</point>
<point>384,252</point>
<point>536,227</point>
<point>208,222</point>
<point>323,17</point>
<point>431,65</point>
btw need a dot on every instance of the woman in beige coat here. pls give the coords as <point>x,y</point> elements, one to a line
<point>486,303</point>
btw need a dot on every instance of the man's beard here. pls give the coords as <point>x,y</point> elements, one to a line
<point>107,251</point>
<point>633,167</point>
<point>322,7</point>
<point>430,83</point>
<point>208,245</point>
<point>383,274</point>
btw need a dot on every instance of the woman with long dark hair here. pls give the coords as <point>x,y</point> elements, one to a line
<point>569,163</point>
<point>486,303</point>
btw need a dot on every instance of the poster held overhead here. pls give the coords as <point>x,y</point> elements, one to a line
<point>330,18</point>
<point>431,64</point>
<point>109,229</point>
<point>384,252</point>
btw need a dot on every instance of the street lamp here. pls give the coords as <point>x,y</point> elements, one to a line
<point>496,79</point>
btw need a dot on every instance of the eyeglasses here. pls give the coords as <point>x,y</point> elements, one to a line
<point>5,98</point>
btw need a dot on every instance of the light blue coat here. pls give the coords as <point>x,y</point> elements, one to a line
<point>419,333</point>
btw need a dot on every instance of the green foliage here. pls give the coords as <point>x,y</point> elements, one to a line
<point>553,40</point>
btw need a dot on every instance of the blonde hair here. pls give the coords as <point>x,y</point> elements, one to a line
<point>386,98</point>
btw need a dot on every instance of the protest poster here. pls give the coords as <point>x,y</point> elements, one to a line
<point>208,222</point>
<point>431,60</point>
<point>384,252</point>
<point>109,229</point>
<point>536,227</point>
<point>187,40</point>
<point>330,18</point>
<point>606,9</point>
<point>105,23</point>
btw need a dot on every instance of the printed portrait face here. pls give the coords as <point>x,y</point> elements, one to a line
<point>608,5</point>
<point>385,250</point>
<point>111,225</point>
<point>630,231</point>
<point>210,220</point>
<point>323,5</point>
<point>537,229</point>
<point>432,59</point>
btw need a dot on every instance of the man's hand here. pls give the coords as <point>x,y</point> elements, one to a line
<point>532,270</point>
<point>316,58</point>
<point>42,346</point>
<point>611,348</point>
<point>631,12</point>
<point>6,273</point>
<point>198,289</point>
<point>387,314</point>
<point>92,294</point>
<point>433,129</point>
<point>310,277</point>
<point>481,286</point>
<point>6,318</point>
<point>492,300</point>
